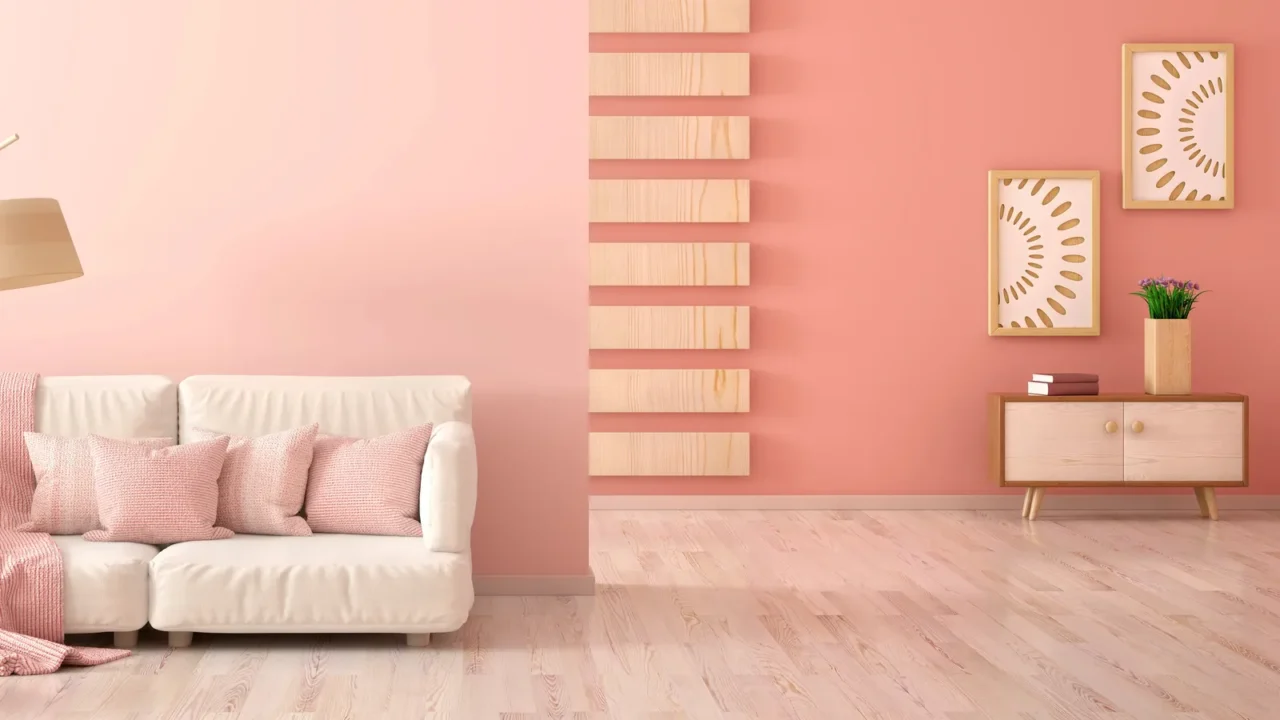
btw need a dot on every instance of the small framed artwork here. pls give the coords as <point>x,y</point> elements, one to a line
<point>1042,252</point>
<point>1179,118</point>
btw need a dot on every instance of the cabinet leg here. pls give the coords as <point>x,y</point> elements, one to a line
<point>1204,507</point>
<point>1209,503</point>
<point>1036,499</point>
<point>1026,501</point>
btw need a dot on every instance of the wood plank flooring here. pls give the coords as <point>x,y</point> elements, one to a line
<point>828,615</point>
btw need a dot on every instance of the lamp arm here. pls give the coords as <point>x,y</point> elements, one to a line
<point>8,141</point>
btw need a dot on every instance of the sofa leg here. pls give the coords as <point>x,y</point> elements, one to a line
<point>419,640</point>
<point>179,639</point>
<point>125,639</point>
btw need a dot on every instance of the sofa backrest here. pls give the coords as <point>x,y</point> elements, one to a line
<point>255,405</point>
<point>119,406</point>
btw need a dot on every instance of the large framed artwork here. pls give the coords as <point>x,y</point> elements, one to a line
<point>1179,117</point>
<point>1042,252</point>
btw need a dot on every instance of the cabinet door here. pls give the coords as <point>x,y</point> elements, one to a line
<point>1062,442</point>
<point>1184,442</point>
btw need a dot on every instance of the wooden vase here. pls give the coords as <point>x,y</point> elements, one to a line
<point>1167,355</point>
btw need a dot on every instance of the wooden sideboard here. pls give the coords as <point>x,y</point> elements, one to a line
<point>1133,440</point>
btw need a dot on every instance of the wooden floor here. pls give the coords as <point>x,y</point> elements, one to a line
<point>831,615</point>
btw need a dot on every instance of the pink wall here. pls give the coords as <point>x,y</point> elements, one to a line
<point>323,188</point>
<point>874,125</point>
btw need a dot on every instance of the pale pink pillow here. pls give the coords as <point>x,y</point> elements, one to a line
<point>64,501</point>
<point>367,487</point>
<point>264,481</point>
<point>157,496</point>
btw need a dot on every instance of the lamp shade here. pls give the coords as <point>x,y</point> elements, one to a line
<point>35,245</point>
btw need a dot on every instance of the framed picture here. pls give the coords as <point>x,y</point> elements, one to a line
<point>1042,252</point>
<point>1179,118</point>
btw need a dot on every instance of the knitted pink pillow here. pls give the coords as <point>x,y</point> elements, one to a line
<point>64,501</point>
<point>367,487</point>
<point>157,496</point>
<point>264,481</point>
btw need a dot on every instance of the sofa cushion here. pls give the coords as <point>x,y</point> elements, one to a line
<point>156,496</point>
<point>105,584</point>
<point>321,583</point>
<point>64,502</point>
<point>264,480</point>
<point>367,487</point>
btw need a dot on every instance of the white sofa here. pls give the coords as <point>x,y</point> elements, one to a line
<point>257,583</point>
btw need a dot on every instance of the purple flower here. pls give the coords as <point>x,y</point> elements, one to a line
<point>1168,285</point>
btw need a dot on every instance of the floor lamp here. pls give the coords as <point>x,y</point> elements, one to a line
<point>35,245</point>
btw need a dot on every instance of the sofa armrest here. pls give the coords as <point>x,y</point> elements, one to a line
<point>448,498</point>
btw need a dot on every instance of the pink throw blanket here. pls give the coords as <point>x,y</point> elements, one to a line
<point>30,564</point>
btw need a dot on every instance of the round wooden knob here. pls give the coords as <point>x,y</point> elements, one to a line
<point>1111,426</point>
<point>1137,426</point>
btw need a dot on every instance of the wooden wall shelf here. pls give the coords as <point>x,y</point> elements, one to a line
<point>669,454</point>
<point>670,201</point>
<point>670,16</point>
<point>670,264</point>
<point>670,391</point>
<point>669,327</point>
<point>669,74</point>
<point>676,137</point>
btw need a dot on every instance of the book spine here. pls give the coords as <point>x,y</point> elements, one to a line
<point>1078,388</point>
<point>1064,378</point>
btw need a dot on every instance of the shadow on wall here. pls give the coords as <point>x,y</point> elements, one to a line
<point>517,433</point>
<point>774,15</point>
<point>774,75</point>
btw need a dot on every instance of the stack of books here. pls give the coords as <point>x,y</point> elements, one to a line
<point>1063,384</point>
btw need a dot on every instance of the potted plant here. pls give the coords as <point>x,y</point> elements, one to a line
<point>1167,334</point>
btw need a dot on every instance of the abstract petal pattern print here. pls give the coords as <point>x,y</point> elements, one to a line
<point>1044,229</point>
<point>1179,117</point>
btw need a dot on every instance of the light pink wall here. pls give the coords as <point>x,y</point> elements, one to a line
<point>874,125</point>
<point>304,187</point>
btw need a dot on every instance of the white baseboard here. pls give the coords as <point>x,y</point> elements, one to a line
<point>1060,501</point>
<point>535,584</point>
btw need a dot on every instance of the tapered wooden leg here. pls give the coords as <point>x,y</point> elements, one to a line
<point>125,639</point>
<point>1036,499</point>
<point>179,639</point>
<point>418,640</point>
<point>1026,501</point>
<point>1210,503</point>
<point>1204,507</point>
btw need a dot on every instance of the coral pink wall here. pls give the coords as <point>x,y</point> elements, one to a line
<point>874,125</point>
<point>323,188</point>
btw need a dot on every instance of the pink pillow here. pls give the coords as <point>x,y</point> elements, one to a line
<point>157,496</point>
<point>367,487</point>
<point>264,481</point>
<point>64,502</point>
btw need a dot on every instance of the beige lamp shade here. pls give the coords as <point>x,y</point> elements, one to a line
<point>35,246</point>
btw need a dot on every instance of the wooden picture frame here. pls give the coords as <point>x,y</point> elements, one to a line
<point>1049,221</point>
<point>1178,148</point>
